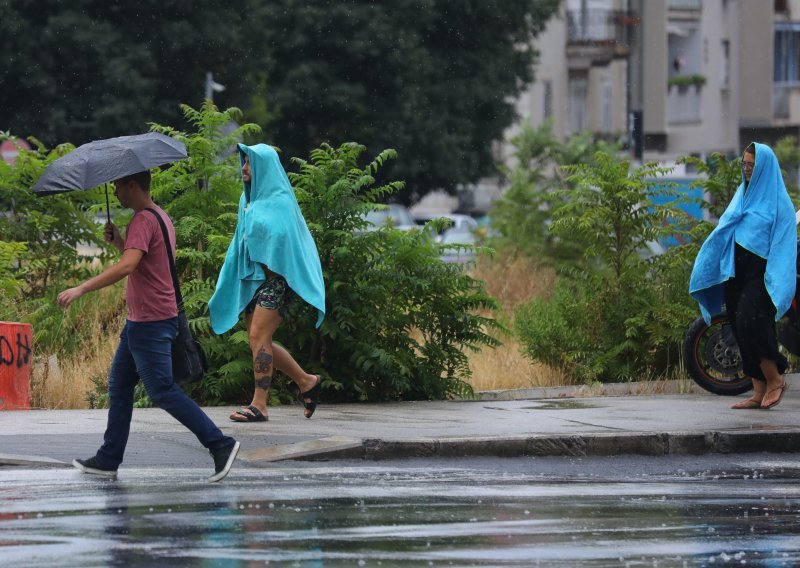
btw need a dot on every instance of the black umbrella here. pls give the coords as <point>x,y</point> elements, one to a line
<point>103,161</point>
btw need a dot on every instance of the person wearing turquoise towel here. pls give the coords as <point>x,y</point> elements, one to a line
<point>749,263</point>
<point>272,259</point>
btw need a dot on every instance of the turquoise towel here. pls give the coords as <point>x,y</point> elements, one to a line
<point>760,218</point>
<point>270,231</point>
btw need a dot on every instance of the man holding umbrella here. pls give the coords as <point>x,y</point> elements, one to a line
<point>144,351</point>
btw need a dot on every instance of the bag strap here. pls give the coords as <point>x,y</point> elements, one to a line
<point>172,269</point>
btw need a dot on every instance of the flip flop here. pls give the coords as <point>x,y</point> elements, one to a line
<point>781,388</point>
<point>256,416</point>
<point>748,404</point>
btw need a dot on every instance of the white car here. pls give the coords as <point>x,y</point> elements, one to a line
<point>395,215</point>
<point>461,223</point>
<point>461,237</point>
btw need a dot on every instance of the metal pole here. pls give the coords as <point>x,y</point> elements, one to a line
<point>209,82</point>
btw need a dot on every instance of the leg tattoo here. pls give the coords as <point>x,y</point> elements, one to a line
<point>262,368</point>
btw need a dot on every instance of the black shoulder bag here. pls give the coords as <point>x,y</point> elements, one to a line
<point>188,360</point>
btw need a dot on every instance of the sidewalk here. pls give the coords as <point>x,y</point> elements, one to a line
<point>503,424</point>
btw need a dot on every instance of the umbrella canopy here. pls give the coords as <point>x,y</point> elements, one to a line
<point>107,160</point>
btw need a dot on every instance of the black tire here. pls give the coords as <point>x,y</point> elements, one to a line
<point>712,357</point>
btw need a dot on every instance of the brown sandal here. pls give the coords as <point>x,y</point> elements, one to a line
<point>782,390</point>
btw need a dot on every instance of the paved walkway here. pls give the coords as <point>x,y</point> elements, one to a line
<point>512,423</point>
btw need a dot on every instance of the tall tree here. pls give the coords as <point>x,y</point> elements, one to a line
<point>74,71</point>
<point>433,79</point>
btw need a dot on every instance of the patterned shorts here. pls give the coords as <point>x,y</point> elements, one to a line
<point>273,294</point>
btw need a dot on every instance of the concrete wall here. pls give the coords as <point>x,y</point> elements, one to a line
<point>756,62</point>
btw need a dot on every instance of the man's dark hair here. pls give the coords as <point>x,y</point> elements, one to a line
<point>142,179</point>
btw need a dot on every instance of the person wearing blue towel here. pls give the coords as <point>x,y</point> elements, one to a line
<point>748,262</point>
<point>272,259</point>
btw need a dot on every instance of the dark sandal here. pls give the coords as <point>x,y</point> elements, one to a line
<point>312,394</point>
<point>256,416</point>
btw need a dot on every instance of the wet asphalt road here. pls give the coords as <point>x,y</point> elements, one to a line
<point>626,511</point>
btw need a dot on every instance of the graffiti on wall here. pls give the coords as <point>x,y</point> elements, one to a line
<point>15,351</point>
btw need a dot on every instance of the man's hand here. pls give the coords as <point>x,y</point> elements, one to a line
<point>111,235</point>
<point>66,297</point>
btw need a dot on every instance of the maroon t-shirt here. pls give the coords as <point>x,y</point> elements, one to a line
<point>150,294</point>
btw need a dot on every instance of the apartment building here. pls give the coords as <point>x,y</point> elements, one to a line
<point>672,77</point>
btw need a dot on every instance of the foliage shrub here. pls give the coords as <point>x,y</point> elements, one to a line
<point>398,318</point>
<point>522,216</point>
<point>614,317</point>
<point>39,238</point>
<point>619,314</point>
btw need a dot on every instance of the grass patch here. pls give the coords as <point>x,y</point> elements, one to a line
<point>79,378</point>
<point>513,279</point>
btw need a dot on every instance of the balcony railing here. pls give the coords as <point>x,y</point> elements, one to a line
<point>685,4</point>
<point>683,104</point>
<point>603,27</point>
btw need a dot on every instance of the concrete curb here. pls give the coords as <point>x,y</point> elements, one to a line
<point>635,443</point>
<point>30,461</point>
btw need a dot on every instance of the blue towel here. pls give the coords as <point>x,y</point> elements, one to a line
<point>270,231</point>
<point>760,218</point>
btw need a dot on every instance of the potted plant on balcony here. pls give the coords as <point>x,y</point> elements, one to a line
<point>683,82</point>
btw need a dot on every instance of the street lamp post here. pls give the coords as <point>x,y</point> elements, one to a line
<point>212,86</point>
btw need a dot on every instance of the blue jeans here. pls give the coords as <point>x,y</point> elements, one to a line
<point>145,352</point>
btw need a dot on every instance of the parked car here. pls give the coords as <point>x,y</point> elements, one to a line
<point>461,237</point>
<point>461,223</point>
<point>395,215</point>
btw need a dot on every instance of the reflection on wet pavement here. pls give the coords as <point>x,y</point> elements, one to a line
<point>370,516</point>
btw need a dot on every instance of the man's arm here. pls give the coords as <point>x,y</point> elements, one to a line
<point>114,273</point>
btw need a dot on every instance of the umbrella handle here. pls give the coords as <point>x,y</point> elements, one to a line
<point>108,209</point>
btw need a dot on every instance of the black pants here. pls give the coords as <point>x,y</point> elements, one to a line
<point>752,314</point>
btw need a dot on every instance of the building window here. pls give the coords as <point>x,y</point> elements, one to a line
<point>685,4</point>
<point>578,86</point>
<point>608,105</point>
<point>726,64</point>
<point>781,6</point>
<point>548,99</point>
<point>787,55</point>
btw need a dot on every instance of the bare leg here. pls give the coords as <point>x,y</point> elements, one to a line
<point>286,364</point>
<point>775,384</point>
<point>261,326</point>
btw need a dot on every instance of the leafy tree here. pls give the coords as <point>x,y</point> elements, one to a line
<point>80,70</point>
<point>433,78</point>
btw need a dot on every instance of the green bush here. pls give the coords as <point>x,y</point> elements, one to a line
<point>398,318</point>
<point>614,317</point>
<point>523,215</point>
<point>38,254</point>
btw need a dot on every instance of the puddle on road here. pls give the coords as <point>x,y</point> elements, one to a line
<point>374,517</point>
